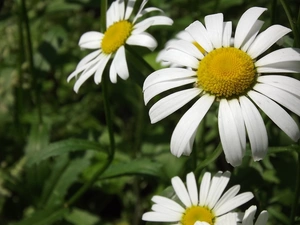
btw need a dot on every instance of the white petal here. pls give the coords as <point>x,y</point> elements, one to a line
<point>200,35</point>
<point>159,217</point>
<point>266,39</point>
<point>204,188</point>
<point>156,89</point>
<point>284,98</point>
<point>217,187</point>
<point>214,27</point>
<point>229,135</point>
<point>139,13</point>
<point>249,215</point>
<point>192,188</point>
<point>121,64</point>
<point>110,15</point>
<point>88,58</point>
<point>233,203</point>
<point>184,35</point>
<point>255,128</point>
<point>158,20</point>
<point>186,47</point>
<point>141,26</point>
<point>121,9</point>
<point>167,74</point>
<point>229,194</point>
<point>181,58</point>
<point>90,40</point>
<point>187,125</point>
<point>168,203</point>
<point>280,55</point>
<point>102,65</point>
<point>277,114</point>
<point>143,39</point>
<point>129,8</point>
<point>161,209</point>
<point>245,24</point>
<point>252,35</point>
<point>227,30</point>
<point>181,191</point>
<point>262,218</point>
<point>288,84</point>
<point>280,67</point>
<point>171,103</point>
<point>113,73</point>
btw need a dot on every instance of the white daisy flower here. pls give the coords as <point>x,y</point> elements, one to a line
<point>236,78</point>
<point>248,218</point>
<point>208,206</point>
<point>120,30</point>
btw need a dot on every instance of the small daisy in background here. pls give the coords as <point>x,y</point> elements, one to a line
<point>208,206</point>
<point>230,73</point>
<point>120,30</point>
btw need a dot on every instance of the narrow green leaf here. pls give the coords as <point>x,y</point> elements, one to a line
<point>65,146</point>
<point>136,167</point>
<point>80,217</point>
<point>44,217</point>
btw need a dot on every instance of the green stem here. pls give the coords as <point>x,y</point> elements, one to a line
<point>297,192</point>
<point>293,24</point>
<point>139,121</point>
<point>31,62</point>
<point>103,15</point>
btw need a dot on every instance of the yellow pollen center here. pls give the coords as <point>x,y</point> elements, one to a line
<point>199,47</point>
<point>226,72</point>
<point>116,36</point>
<point>197,213</point>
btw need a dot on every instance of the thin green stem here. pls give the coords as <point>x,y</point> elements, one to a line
<point>139,121</point>
<point>31,62</point>
<point>103,15</point>
<point>297,192</point>
<point>293,24</point>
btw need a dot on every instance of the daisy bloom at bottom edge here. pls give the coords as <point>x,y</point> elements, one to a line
<point>208,206</point>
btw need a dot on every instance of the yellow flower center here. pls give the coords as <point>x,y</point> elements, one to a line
<point>226,72</point>
<point>199,47</point>
<point>116,36</point>
<point>197,213</point>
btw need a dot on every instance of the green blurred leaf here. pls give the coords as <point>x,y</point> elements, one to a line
<point>80,217</point>
<point>44,217</point>
<point>136,167</point>
<point>38,138</point>
<point>65,146</point>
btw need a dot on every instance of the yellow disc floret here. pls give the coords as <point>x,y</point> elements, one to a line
<point>116,36</point>
<point>226,72</point>
<point>197,213</point>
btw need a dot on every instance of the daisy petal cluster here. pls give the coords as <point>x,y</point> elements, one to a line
<point>208,206</point>
<point>233,72</point>
<point>120,30</point>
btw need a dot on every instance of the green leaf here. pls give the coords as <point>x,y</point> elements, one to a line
<point>44,217</point>
<point>38,138</point>
<point>136,167</point>
<point>65,146</point>
<point>79,217</point>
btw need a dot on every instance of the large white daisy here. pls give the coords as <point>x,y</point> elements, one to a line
<point>231,73</point>
<point>120,30</point>
<point>208,206</point>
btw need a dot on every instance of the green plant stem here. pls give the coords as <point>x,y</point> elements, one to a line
<point>297,191</point>
<point>293,24</point>
<point>31,62</point>
<point>103,15</point>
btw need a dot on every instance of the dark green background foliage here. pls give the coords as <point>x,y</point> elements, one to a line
<point>53,140</point>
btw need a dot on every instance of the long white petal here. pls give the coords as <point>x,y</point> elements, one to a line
<point>277,114</point>
<point>181,58</point>
<point>162,209</point>
<point>233,203</point>
<point>113,73</point>
<point>286,83</point>
<point>280,55</point>
<point>245,24</point>
<point>102,65</point>
<point>156,20</point>
<point>121,9</point>
<point>139,13</point>
<point>188,123</point>
<point>200,35</point>
<point>266,39</point>
<point>156,89</point>
<point>256,129</point>
<point>121,64</point>
<point>227,31</point>
<point>167,74</point>
<point>181,191</point>
<point>229,135</point>
<point>283,97</point>
<point>229,194</point>
<point>90,40</point>
<point>171,103</point>
<point>88,58</point>
<point>143,39</point>
<point>186,47</point>
<point>159,217</point>
<point>192,188</point>
<point>141,26</point>
<point>280,67</point>
<point>262,218</point>
<point>168,203</point>
<point>214,27</point>
<point>249,215</point>
<point>129,8</point>
<point>252,35</point>
<point>204,188</point>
